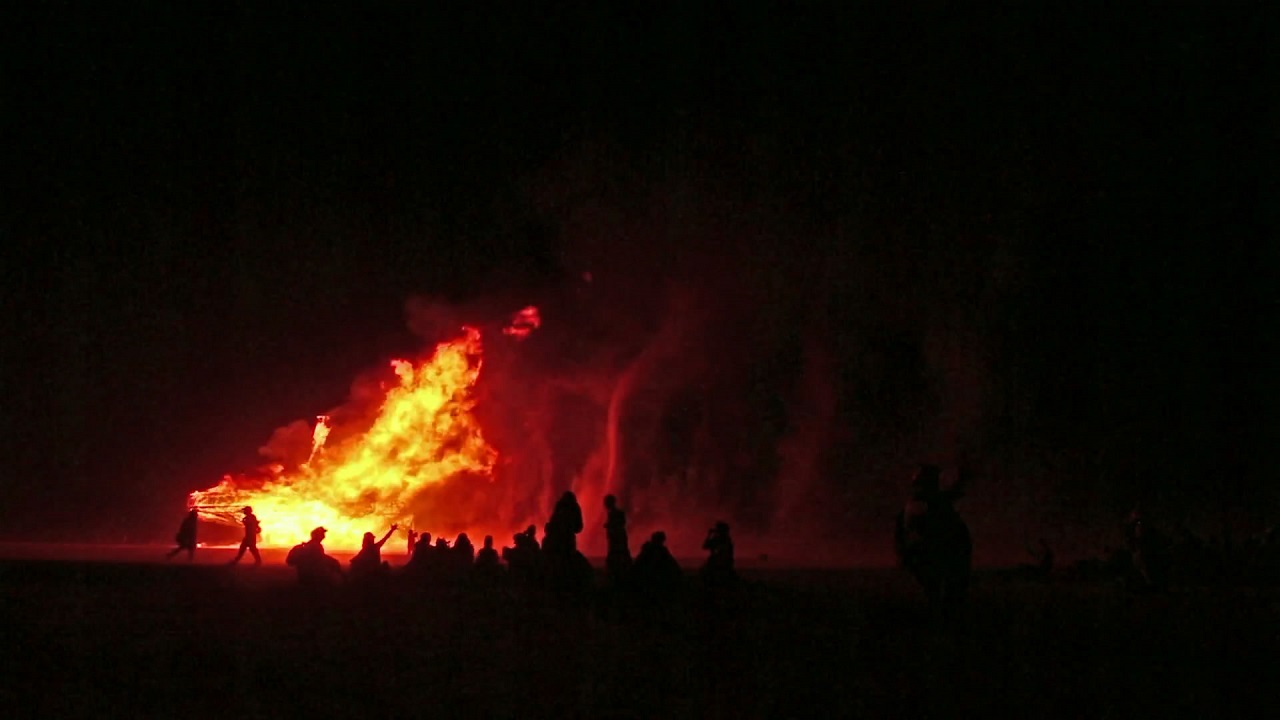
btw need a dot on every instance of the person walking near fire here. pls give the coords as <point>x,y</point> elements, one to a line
<point>250,542</point>
<point>186,537</point>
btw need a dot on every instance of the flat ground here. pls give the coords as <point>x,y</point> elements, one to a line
<point>88,637</point>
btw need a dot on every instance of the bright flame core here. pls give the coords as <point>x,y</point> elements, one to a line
<point>424,434</point>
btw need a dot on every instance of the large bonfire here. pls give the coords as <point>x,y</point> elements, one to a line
<point>424,434</point>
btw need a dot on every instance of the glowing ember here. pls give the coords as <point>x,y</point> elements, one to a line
<point>423,435</point>
<point>523,323</point>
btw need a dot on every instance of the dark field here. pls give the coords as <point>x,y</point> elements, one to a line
<point>137,639</point>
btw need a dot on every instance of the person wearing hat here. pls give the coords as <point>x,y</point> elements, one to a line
<point>250,542</point>
<point>314,566</point>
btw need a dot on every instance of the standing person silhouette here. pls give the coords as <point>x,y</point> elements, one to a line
<point>250,542</point>
<point>562,531</point>
<point>186,537</point>
<point>618,560</point>
<point>933,541</point>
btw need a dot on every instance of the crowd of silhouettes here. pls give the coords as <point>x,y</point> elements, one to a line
<point>1149,559</point>
<point>931,539</point>
<point>555,563</point>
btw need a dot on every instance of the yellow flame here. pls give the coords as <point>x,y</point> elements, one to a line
<point>424,435</point>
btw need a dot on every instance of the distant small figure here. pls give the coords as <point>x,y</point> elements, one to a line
<point>252,528</point>
<point>1148,553</point>
<point>368,562</point>
<point>413,538</point>
<point>719,571</point>
<point>656,570</point>
<point>186,536</point>
<point>315,568</point>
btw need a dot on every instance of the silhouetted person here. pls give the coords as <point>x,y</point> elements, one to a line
<point>413,538</point>
<point>933,542</point>
<point>487,558</point>
<point>186,537</point>
<point>523,557</point>
<point>566,522</point>
<point>1147,552</point>
<point>250,542</point>
<point>441,564</point>
<point>315,568</point>
<point>656,570</point>
<point>368,562</point>
<point>618,560</point>
<point>719,568</point>
<point>487,569</point>
<point>464,551</point>
<point>419,561</point>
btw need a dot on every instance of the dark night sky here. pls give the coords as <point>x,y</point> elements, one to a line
<point>214,217</point>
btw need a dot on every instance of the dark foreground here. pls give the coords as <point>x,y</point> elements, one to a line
<point>156,640</point>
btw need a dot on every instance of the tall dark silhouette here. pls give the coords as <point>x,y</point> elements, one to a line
<point>368,562</point>
<point>413,538</point>
<point>464,551</point>
<point>252,528</point>
<point>933,541</point>
<point>562,531</point>
<point>565,569</point>
<point>315,568</point>
<point>719,570</point>
<point>618,559</point>
<point>186,536</point>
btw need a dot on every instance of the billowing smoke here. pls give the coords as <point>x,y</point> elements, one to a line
<point>703,359</point>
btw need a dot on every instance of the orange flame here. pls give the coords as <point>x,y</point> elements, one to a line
<point>424,435</point>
